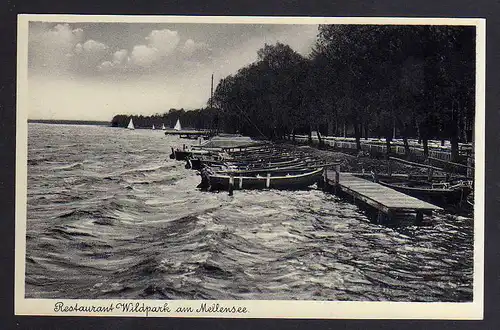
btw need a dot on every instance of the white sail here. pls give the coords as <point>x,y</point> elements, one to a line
<point>163,127</point>
<point>178,125</point>
<point>153,127</point>
<point>131,124</point>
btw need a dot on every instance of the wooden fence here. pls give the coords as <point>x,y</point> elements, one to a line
<point>373,147</point>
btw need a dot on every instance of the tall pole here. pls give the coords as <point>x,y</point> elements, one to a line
<point>394,128</point>
<point>212,91</point>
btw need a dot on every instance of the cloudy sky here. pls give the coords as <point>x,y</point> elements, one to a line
<point>94,71</point>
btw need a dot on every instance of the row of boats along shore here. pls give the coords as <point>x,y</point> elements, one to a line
<point>230,162</point>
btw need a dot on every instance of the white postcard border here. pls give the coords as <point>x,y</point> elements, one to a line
<point>254,308</point>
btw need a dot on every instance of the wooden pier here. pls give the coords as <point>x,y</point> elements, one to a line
<point>386,201</point>
<point>190,134</point>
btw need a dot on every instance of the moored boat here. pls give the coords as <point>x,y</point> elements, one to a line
<point>196,163</point>
<point>441,193</point>
<point>219,146</point>
<point>277,180</point>
<point>231,142</point>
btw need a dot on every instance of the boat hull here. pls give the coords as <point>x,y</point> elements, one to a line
<point>290,182</point>
<point>181,154</point>
<point>440,196</point>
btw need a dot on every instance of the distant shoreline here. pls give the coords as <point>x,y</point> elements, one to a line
<point>69,122</point>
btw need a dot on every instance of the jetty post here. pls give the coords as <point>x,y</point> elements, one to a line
<point>337,174</point>
<point>336,178</point>
<point>419,218</point>
<point>231,185</point>
<point>430,171</point>
<point>470,169</point>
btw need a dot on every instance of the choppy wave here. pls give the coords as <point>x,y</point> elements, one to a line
<point>118,219</point>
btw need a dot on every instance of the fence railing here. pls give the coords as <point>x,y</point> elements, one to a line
<point>376,146</point>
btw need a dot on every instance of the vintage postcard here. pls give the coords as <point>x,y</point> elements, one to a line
<point>250,167</point>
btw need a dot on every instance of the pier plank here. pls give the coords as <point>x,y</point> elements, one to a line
<point>382,198</point>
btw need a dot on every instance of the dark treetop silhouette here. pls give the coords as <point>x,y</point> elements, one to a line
<point>367,80</point>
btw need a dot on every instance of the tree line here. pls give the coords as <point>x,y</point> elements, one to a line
<point>203,118</point>
<point>359,80</point>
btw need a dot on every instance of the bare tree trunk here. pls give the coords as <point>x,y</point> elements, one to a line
<point>388,140</point>
<point>419,135</point>
<point>461,128</point>
<point>405,140</point>
<point>453,129</point>
<point>425,142</point>
<point>454,148</point>
<point>465,128</point>
<point>357,135</point>
<point>320,140</point>
<point>407,146</point>
<point>330,127</point>
<point>394,128</point>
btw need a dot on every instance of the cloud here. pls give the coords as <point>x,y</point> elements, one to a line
<point>52,48</point>
<point>120,60</point>
<point>105,66</point>
<point>161,44</point>
<point>191,48</point>
<point>163,52</point>
<point>78,48</point>
<point>120,56</point>
<point>62,50</point>
<point>164,41</point>
<point>61,37</point>
<point>89,55</point>
<point>92,46</point>
<point>144,56</point>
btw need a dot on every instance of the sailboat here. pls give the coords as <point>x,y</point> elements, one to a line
<point>163,127</point>
<point>153,127</point>
<point>177,126</point>
<point>131,124</point>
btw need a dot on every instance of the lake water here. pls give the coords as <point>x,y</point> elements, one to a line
<point>111,216</point>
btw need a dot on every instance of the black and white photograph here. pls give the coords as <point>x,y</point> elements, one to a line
<point>250,167</point>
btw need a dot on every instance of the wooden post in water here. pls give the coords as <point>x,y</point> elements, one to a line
<point>337,178</point>
<point>231,185</point>
<point>430,171</point>
<point>419,218</point>
<point>268,180</point>
<point>470,173</point>
<point>325,177</point>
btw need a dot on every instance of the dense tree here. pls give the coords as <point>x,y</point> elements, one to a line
<point>385,81</point>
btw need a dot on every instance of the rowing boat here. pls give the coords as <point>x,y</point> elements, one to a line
<point>441,193</point>
<point>272,180</point>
